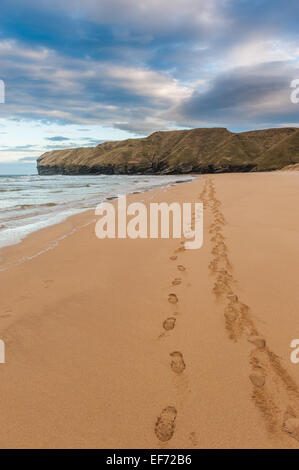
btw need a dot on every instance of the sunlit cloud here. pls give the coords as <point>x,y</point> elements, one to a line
<point>121,68</point>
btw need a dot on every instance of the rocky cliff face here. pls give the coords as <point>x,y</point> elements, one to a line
<point>172,152</point>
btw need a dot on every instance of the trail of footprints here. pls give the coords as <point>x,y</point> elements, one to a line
<point>165,423</point>
<point>274,392</point>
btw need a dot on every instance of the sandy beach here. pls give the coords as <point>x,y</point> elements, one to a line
<point>90,360</point>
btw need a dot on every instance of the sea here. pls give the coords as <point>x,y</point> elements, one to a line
<point>29,203</point>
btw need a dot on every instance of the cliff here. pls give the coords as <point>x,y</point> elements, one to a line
<point>185,151</point>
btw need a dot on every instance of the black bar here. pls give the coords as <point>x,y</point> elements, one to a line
<point>143,458</point>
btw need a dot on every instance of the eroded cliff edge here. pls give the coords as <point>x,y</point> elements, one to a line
<point>185,151</point>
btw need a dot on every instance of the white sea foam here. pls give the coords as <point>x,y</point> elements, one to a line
<point>29,203</point>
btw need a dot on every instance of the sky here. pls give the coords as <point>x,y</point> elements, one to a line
<point>77,73</point>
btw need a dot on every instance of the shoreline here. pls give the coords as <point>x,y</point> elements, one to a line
<point>67,227</point>
<point>17,226</point>
<point>106,338</point>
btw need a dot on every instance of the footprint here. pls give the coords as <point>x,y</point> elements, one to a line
<point>173,258</point>
<point>217,237</point>
<point>258,341</point>
<point>177,281</point>
<point>165,424</point>
<point>181,267</point>
<point>177,363</point>
<point>172,298</point>
<point>291,426</point>
<point>289,413</point>
<point>232,298</point>
<point>169,323</point>
<point>231,314</point>
<point>257,379</point>
<point>193,438</point>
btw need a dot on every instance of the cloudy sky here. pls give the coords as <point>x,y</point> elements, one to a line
<point>77,72</point>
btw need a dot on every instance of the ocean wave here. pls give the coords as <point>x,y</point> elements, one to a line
<point>10,190</point>
<point>21,207</point>
<point>28,203</point>
<point>32,206</point>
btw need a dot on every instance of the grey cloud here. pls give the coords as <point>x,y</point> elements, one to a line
<point>92,142</point>
<point>18,148</point>
<point>57,138</point>
<point>142,127</point>
<point>258,94</point>
<point>142,76</point>
<point>27,159</point>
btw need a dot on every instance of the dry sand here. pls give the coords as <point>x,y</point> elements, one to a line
<point>96,355</point>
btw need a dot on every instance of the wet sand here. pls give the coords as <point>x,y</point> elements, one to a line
<point>142,344</point>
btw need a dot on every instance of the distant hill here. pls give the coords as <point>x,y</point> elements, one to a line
<point>208,150</point>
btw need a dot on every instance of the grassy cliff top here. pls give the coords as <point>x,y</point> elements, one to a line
<point>197,150</point>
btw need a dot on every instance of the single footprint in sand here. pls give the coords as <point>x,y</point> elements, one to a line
<point>169,323</point>
<point>232,298</point>
<point>193,438</point>
<point>173,258</point>
<point>258,341</point>
<point>181,267</point>
<point>257,379</point>
<point>177,281</point>
<point>291,426</point>
<point>177,362</point>
<point>230,314</point>
<point>172,298</point>
<point>165,424</point>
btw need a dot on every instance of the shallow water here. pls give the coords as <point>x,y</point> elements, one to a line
<point>29,203</point>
